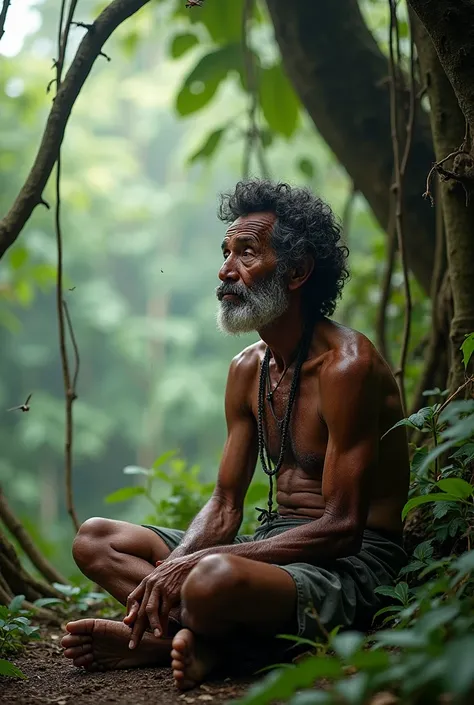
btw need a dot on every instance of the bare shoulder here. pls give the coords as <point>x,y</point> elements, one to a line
<point>246,363</point>
<point>350,356</point>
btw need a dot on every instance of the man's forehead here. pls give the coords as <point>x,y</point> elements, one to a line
<point>256,224</point>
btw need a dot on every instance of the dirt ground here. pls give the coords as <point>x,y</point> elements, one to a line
<point>52,679</point>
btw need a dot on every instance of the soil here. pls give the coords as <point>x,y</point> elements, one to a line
<point>53,680</point>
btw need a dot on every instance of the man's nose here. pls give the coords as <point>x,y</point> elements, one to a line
<point>228,271</point>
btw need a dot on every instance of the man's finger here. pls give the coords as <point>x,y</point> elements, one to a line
<point>152,611</point>
<point>141,621</point>
<point>136,595</point>
<point>131,613</point>
<point>164,615</point>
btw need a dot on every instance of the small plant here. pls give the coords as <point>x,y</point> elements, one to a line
<point>176,494</point>
<point>76,598</point>
<point>15,630</point>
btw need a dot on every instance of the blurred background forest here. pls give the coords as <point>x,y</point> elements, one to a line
<point>146,153</point>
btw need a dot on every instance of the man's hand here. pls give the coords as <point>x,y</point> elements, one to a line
<point>151,602</point>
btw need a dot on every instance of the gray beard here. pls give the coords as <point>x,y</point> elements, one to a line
<point>257,307</point>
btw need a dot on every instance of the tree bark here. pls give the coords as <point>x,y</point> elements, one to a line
<point>448,127</point>
<point>341,76</point>
<point>450,24</point>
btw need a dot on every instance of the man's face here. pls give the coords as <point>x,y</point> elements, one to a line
<point>252,292</point>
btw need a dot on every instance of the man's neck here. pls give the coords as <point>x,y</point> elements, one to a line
<point>283,337</point>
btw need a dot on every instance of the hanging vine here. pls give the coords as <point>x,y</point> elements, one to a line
<point>400,156</point>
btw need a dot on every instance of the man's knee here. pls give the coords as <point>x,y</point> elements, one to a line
<point>214,583</point>
<point>91,540</point>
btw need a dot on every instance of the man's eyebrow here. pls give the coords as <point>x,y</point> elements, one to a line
<point>241,239</point>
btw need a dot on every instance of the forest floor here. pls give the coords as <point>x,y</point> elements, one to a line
<point>53,680</point>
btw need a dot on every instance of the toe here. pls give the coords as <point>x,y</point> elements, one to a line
<point>76,651</point>
<point>81,626</point>
<point>75,640</point>
<point>84,661</point>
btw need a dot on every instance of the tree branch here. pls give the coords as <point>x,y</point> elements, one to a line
<point>338,71</point>
<point>3,16</point>
<point>89,49</point>
<point>17,530</point>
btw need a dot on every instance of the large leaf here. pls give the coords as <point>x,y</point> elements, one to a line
<point>222,19</point>
<point>200,86</point>
<point>281,685</point>
<point>163,458</point>
<point>456,486</point>
<point>17,603</point>
<point>417,420</point>
<point>280,105</point>
<point>183,43</point>
<point>459,673</point>
<point>425,499</point>
<point>124,493</point>
<point>210,145</point>
<point>8,669</point>
<point>467,349</point>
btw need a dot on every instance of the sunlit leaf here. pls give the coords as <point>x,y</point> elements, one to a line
<point>17,603</point>
<point>124,493</point>
<point>456,486</point>
<point>280,105</point>
<point>425,499</point>
<point>467,349</point>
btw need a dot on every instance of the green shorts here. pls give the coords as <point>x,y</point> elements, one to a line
<point>341,590</point>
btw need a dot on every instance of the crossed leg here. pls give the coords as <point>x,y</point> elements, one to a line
<point>222,597</point>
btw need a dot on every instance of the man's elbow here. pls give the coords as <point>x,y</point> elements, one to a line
<point>350,541</point>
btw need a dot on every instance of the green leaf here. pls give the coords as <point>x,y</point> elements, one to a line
<point>182,43</point>
<point>312,697</point>
<point>371,660</point>
<point>402,592</point>
<point>424,551</point>
<point>387,591</point>
<point>403,638</point>
<point>418,458</point>
<point>8,669</point>
<point>346,644</point>
<point>353,690</point>
<point>417,420</point>
<point>426,498</point>
<point>459,673</point>
<point>298,640</point>
<point>17,603</point>
<point>210,145</point>
<point>282,684</point>
<point>68,590</point>
<point>436,618</point>
<point>201,84</point>
<point>456,486</point>
<point>223,20</point>
<point>163,458</point>
<point>278,101</point>
<point>124,493</point>
<point>136,470</point>
<point>46,601</point>
<point>18,257</point>
<point>464,565</point>
<point>467,349</point>
<point>306,167</point>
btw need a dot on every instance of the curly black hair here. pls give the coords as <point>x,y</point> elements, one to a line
<point>305,225</point>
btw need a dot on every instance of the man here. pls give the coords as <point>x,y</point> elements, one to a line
<point>313,400</point>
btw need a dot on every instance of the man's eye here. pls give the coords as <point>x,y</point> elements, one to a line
<point>225,254</point>
<point>247,253</point>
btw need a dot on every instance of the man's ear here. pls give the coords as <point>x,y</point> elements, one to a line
<point>301,273</point>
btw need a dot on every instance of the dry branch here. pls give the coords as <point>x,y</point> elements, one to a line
<point>17,530</point>
<point>89,49</point>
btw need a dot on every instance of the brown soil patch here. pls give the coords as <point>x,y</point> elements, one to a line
<point>53,680</point>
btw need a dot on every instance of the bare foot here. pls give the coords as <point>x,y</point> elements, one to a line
<point>192,661</point>
<point>101,644</point>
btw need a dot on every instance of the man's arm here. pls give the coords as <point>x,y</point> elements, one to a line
<point>350,410</point>
<point>219,520</point>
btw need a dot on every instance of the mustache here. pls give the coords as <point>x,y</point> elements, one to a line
<point>227,288</point>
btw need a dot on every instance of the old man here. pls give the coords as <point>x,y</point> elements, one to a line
<point>311,400</point>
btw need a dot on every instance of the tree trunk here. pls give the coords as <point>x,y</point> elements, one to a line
<point>448,127</point>
<point>341,76</point>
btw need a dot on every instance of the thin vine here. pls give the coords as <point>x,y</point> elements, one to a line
<point>400,164</point>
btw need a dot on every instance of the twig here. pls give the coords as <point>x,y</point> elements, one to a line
<point>381,322</point>
<point>3,16</point>
<point>254,141</point>
<point>454,394</point>
<point>74,345</point>
<point>400,167</point>
<point>437,167</point>
<point>17,530</point>
<point>89,49</point>
<point>69,390</point>
<point>347,211</point>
